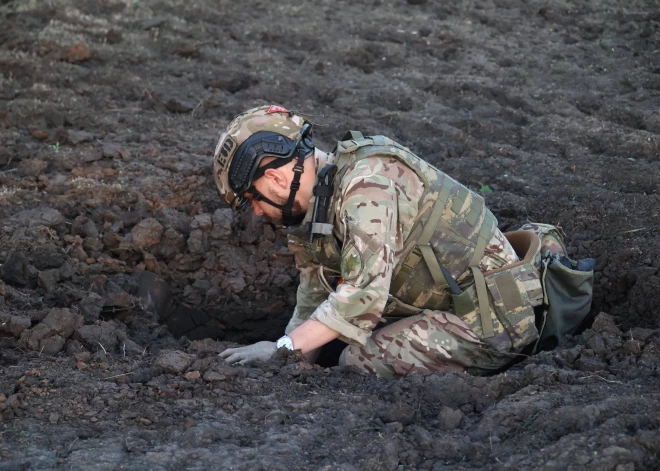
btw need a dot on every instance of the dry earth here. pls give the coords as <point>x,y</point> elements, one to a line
<point>109,114</point>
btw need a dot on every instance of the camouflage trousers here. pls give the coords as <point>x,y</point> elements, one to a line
<point>430,342</point>
<point>438,341</point>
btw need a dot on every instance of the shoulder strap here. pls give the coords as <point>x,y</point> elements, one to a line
<point>348,146</point>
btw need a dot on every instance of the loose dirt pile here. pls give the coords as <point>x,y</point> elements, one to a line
<point>109,115</point>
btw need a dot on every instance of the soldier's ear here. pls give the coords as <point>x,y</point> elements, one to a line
<point>277,178</point>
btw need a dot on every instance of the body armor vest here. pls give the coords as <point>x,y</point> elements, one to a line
<point>444,246</point>
<point>451,229</point>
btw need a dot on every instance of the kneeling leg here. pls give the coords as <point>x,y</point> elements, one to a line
<point>430,342</point>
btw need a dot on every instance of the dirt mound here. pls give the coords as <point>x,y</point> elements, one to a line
<point>109,114</point>
<point>591,404</point>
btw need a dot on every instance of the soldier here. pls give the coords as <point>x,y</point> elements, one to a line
<point>396,258</point>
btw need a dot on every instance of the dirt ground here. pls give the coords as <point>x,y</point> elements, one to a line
<point>109,115</point>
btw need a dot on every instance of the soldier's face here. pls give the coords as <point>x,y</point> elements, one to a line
<point>280,195</point>
<point>261,208</point>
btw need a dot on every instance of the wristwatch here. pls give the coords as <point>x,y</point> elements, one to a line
<point>285,342</point>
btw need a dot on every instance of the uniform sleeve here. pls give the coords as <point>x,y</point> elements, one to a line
<point>309,296</point>
<point>310,292</point>
<point>368,212</point>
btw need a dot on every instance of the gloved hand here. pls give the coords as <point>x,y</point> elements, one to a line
<point>258,351</point>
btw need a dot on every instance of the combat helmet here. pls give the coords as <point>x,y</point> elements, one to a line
<point>266,131</point>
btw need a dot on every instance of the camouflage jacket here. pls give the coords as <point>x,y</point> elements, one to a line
<point>375,205</point>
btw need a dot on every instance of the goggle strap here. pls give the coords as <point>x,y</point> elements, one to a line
<point>259,197</point>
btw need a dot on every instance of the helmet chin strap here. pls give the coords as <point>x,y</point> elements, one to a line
<point>287,208</point>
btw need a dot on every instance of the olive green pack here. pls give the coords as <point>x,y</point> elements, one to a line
<point>568,293</point>
<point>567,288</point>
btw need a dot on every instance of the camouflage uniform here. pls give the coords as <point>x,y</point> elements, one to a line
<point>376,204</point>
<point>408,241</point>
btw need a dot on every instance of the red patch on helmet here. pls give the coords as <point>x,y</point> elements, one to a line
<point>277,109</point>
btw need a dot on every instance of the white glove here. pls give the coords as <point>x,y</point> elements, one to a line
<point>258,351</point>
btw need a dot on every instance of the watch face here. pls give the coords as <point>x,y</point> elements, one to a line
<point>285,342</point>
